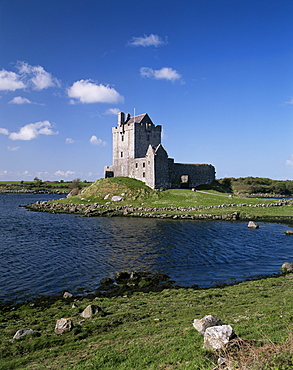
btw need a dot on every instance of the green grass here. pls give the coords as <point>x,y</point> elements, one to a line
<point>153,330</point>
<point>138,194</point>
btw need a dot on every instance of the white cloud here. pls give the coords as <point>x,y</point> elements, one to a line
<point>96,141</point>
<point>289,162</point>
<point>32,131</point>
<point>37,76</point>
<point>27,76</point>
<point>165,73</point>
<point>13,148</point>
<point>69,140</point>
<point>289,102</point>
<point>4,131</point>
<point>10,81</point>
<point>114,111</point>
<point>64,173</point>
<point>20,100</point>
<point>151,40</point>
<point>86,91</point>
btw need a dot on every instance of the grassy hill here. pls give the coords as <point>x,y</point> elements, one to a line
<point>131,189</point>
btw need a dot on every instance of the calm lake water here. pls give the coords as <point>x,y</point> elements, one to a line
<point>42,253</point>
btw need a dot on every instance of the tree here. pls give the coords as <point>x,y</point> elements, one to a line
<point>38,182</point>
<point>75,184</point>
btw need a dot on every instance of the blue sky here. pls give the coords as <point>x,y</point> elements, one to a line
<point>216,74</point>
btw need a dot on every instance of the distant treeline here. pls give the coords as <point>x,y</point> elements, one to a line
<point>256,185</point>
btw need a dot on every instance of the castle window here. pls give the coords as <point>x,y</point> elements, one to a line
<point>136,165</point>
<point>143,174</point>
<point>143,164</point>
<point>122,138</point>
<point>121,154</point>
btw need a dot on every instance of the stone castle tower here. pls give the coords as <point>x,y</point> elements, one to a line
<point>138,153</point>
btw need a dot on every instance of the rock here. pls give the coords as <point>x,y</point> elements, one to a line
<point>106,281</point>
<point>202,324</point>
<point>90,310</point>
<point>21,333</point>
<point>116,198</point>
<point>289,232</point>
<point>67,295</point>
<point>63,326</point>
<point>287,267</point>
<point>252,225</point>
<point>106,196</point>
<point>122,276</point>
<point>216,337</point>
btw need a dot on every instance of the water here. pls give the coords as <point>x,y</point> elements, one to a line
<point>43,253</point>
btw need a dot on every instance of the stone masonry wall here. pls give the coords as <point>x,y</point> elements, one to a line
<point>198,174</point>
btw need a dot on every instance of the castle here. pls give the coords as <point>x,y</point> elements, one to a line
<point>138,153</point>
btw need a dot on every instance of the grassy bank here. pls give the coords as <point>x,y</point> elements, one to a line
<point>154,330</point>
<point>177,202</point>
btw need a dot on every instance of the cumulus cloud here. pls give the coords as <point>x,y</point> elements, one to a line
<point>28,76</point>
<point>113,111</point>
<point>4,131</point>
<point>151,40</point>
<point>64,173</point>
<point>13,148</point>
<point>10,81</point>
<point>32,131</point>
<point>289,161</point>
<point>86,91</point>
<point>69,140</point>
<point>289,101</point>
<point>165,73</point>
<point>37,76</point>
<point>96,141</point>
<point>20,100</point>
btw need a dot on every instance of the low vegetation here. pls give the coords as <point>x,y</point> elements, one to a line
<point>154,330</point>
<point>40,186</point>
<point>257,185</point>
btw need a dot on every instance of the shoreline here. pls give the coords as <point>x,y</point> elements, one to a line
<point>100,210</point>
<point>142,282</point>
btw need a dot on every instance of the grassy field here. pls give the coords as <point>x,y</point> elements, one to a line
<point>154,330</point>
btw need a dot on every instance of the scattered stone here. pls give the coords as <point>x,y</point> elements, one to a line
<point>106,196</point>
<point>116,198</point>
<point>287,267</point>
<point>21,333</point>
<point>67,295</point>
<point>63,326</point>
<point>202,324</point>
<point>74,305</point>
<point>106,281</point>
<point>90,310</point>
<point>216,337</point>
<point>252,225</point>
<point>289,232</point>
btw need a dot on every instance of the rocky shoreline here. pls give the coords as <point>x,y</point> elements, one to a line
<point>98,210</point>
